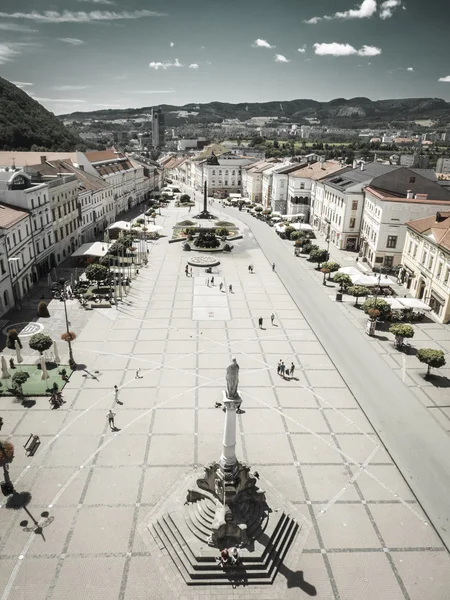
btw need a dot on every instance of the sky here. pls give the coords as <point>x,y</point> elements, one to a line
<point>82,55</point>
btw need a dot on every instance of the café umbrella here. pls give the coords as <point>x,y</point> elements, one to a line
<point>19,357</point>
<point>44,369</point>
<point>55,352</point>
<point>5,372</point>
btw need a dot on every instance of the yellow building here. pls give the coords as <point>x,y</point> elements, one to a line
<point>426,262</point>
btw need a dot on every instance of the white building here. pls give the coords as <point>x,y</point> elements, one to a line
<point>18,190</point>
<point>426,262</point>
<point>385,216</point>
<point>337,203</point>
<point>443,166</point>
<point>17,257</point>
<point>252,178</point>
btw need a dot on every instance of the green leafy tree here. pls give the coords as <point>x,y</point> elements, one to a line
<point>19,379</point>
<point>434,359</point>
<point>288,232</point>
<point>318,256</point>
<point>222,231</point>
<point>11,338</point>
<point>40,342</point>
<point>185,198</point>
<point>96,272</point>
<point>401,331</point>
<point>344,281</point>
<point>332,267</point>
<point>358,291</point>
<point>378,304</point>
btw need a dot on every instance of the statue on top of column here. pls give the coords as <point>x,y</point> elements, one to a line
<point>232,380</point>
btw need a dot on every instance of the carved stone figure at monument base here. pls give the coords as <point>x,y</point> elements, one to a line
<point>232,380</point>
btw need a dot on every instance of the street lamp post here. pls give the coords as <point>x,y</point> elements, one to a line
<point>327,239</point>
<point>63,292</point>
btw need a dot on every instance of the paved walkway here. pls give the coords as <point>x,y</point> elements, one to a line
<point>308,436</point>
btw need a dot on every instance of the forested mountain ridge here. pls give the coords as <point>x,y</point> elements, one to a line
<point>352,113</point>
<point>25,124</point>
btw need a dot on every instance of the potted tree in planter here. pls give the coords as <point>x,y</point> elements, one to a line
<point>401,331</point>
<point>40,342</point>
<point>332,267</point>
<point>318,256</point>
<point>358,291</point>
<point>11,339</point>
<point>6,457</point>
<point>344,281</point>
<point>434,359</point>
<point>325,271</point>
<point>18,380</point>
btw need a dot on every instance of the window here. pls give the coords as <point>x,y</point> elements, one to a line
<point>14,239</point>
<point>37,247</point>
<point>2,266</point>
<point>56,236</point>
<point>424,257</point>
<point>439,270</point>
<point>412,180</point>
<point>415,250</point>
<point>352,223</point>
<point>431,262</point>
<point>391,241</point>
<point>410,247</point>
<point>355,205</point>
<point>447,274</point>
<point>282,184</point>
<point>302,186</point>
<point>32,202</point>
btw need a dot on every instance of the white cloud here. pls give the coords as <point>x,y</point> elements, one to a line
<point>159,65</point>
<point>108,2</point>
<point>168,65</point>
<point>17,28</point>
<point>72,41</point>
<point>69,88</point>
<point>366,10</point>
<point>302,49</point>
<point>177,63</point>
<point>193,66</point>
<point>9,51</point>
<point>335,49</point>
<point>387,8</point>
<point>70,100</point>
<point>172,44</point>
<point>281,58</point>
<point>410,69</point>
<point>68,16</point>
<point>262,44</point>
<point>153,92</point>
<point>445,79</point>
<point>21,84</point>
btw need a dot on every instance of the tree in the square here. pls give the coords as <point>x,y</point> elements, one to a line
<point>96,272</point>
<point>6,453</point>
<point>371,305</point>
<point>19,379</point>
<point>185,198</point>
<point>344,280</point>
<point>434,359</point>
<point>40,342</point>
<point>358,291</point>
<point>318,256</point>
<point>401,331</point>
<point>11,338</point>
<point>332,267</point>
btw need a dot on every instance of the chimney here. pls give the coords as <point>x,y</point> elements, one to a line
<point>421,196</point>
<point>409,194</point>
<point>81,167</point>
<point>43,160</point>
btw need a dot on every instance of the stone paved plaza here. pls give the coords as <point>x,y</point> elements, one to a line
<point>368,537</point>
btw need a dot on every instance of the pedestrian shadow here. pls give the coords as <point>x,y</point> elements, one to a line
<point>115,428</point>
<point>119,402</point>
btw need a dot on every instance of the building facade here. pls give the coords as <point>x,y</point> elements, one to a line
<point>426,262</point>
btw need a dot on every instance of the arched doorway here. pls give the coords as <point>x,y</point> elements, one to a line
<point>420,289</point>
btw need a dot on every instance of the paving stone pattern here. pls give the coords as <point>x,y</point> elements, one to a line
<point>368,538</point>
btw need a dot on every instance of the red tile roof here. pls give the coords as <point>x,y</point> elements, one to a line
<point>437,225</point>
<point>9,215</point>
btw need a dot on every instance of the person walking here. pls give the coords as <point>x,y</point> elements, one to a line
<point>230,288</point>
<point>260,321</point>
<point>110,416</point>
<point>207,281</point>
<point>212,280</point>
<point>279,367</point>
<point>116,394</point>
<point>282,368</point>
<point>190,209</point>
<point>138,374</point>
<point>292,369</point>
<point>186,271</point>
<point>273,266</point>
<point>221,286</point>
<point>190,271</point>
<point>249,268</point>
<point>272,318</point>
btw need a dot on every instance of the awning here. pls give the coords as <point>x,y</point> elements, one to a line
<point>120,225</point>
<point>93,249</point>
<point>349,271</point>
<point>395,303</point>
<point>414,303</point>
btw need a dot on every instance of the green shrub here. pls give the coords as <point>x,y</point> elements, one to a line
<point>343,280</point>
<point>11,338</point>
<point>222,231</point>
<point>358,291</point>
<point>207,239</point>
<point>401,331</point>
<point>96,272</point>
<point>40,342</point>
<point>380,305</point>
<point>434,359</point>
<point>42,310</point>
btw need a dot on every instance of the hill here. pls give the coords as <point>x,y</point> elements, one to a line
<point>25,123</point>
<point>355,112</point>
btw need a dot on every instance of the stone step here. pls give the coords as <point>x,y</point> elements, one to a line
<point>207,571</point>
